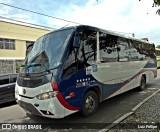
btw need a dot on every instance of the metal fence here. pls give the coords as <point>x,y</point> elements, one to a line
<point>10,66</point>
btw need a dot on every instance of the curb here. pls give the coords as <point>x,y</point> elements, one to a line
<point>116,122</point>
<point>127,114</point>
<point>145,100</point>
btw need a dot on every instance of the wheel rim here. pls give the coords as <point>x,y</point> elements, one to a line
<point>90,104</point>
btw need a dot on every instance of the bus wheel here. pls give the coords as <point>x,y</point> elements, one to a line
<point>90,103</point>
<point>142,84</point>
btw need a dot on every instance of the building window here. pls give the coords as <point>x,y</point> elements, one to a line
<point>7,44</point>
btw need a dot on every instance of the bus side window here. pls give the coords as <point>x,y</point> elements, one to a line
<point>87,51</point>
<point>90,51</point>
<point>108,48</point>
<point>70,63</point>
<point>125,51</point>
<point>138,52</point>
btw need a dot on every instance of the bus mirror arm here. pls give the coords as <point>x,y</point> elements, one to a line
<point>54,68</point>
<point>29,48</point>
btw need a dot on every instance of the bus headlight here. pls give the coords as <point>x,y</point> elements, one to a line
<point>46,95</point>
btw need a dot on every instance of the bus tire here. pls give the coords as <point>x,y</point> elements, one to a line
<point>142,84</point>
<point>90,103</point>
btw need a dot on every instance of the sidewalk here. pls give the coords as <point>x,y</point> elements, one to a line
<point>144,119</point>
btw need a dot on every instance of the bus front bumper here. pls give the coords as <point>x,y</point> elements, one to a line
<point>48,108</point>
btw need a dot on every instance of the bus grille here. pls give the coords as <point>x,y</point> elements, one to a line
<point>29,83</point>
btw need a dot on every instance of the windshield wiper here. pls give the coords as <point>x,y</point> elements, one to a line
<point>38,64</point>
<point>32,65</point>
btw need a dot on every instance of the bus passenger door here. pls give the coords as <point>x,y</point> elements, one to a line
<point>68,82</point>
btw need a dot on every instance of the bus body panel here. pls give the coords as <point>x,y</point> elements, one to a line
<point>158,57</point>
<point>33,92</point>
<point>120,71</point>
<point>54,105</point>
<point>122,78</point>
<point>74,77</point>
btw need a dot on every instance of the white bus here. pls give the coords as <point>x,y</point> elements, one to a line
<point>75,68</point>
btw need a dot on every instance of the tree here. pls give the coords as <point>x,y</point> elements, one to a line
<point>155,4</point>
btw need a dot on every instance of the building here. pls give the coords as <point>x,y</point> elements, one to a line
<point>14,38</point>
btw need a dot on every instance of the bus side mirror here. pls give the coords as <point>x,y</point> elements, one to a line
<point>76,42</point>
<point>29,48</point>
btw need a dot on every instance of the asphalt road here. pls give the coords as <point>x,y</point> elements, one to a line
<point>108,111</point>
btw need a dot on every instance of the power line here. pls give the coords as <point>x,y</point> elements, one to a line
<point>16,28</point>
<point>25,22</point>
<point>51,16</point>
<point>46,26</point>
<point>39,13</point>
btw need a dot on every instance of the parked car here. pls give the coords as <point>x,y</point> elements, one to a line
<point>7,87</point>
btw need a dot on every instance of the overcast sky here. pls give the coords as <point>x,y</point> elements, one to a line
<point>126,16</point>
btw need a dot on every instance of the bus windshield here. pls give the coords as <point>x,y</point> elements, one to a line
<point>47,51</point>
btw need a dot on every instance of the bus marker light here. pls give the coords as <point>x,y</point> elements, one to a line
<point>72,94</point>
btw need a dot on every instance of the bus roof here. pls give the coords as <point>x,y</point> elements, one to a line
<point>80,27</point>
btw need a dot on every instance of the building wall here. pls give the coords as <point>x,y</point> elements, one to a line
<point>20,34</point>
<point>11,59</point>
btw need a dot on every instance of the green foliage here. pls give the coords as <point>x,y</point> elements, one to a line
<point>157,2</point>
<point>18,66</point>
